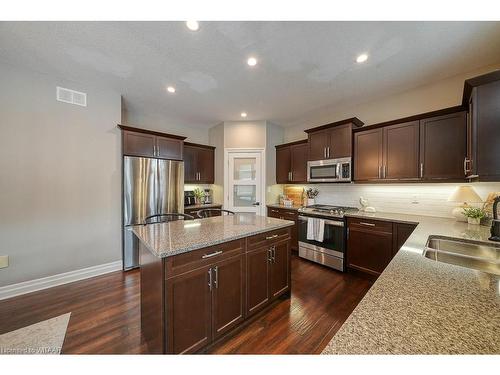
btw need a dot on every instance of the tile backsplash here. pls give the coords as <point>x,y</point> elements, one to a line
<point>418,199</point>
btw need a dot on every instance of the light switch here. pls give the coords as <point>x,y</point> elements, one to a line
<point>4,261</point>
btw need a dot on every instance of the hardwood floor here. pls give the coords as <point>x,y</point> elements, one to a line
<point>105,313</point>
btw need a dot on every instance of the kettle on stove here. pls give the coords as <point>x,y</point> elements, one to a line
<point>495,224</point>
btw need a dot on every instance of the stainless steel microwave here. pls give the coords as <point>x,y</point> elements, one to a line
<point>331,170</point>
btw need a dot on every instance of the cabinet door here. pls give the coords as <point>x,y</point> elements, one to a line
<point>283,165</point>
<point>190,164</point>
<point>257,279</point>
<point>486,125</point>
<point>368,155</point>
<point>443,146</point>
<point>279,270</point>
<point>299,156</point>
<point>401,151</point>
<point>138,144</point>
<point>206,166</point>
<point>368,251</point>
<point>318,141</point>
<point>228,294</point>
<point>169,148</point>
<point>340,141</point>
<point>188,306</point>
<point>401,233</point>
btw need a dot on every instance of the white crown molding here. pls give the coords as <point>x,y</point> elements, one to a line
<point>18,289</point>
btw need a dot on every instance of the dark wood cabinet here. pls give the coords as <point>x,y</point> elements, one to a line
<point>369,245</point>
<point>368,155</point>
<point>401,232</point>
<point>145,143</point>
<point>482,97</point>
<point>257,279</point>
<point>287,214</point>
<point>280,269</point>
<point>333,140</point>
<point>228,294</point>
<point>400,158</point>
<point>199,163</point>
<point>291,162</point>
<point>426,147</point>
<point>443,141</point>
<point>189,311</point>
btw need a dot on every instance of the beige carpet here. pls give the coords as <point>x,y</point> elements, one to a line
<point>46,337</point>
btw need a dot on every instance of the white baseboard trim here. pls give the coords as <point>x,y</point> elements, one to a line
<point>62,278</point>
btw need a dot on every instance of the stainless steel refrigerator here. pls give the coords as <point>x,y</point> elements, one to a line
<point>150,186</point>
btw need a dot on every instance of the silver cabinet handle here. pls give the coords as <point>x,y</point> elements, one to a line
<point>271,237</point>
<point>328,152</point>
<point>211,254</point>
<point>421,170</point>
<point>273,253</point>
<point>324,152</point>
<point>466,161</point>
<point>216,281</point>
<point>367,224</point>
<point>291,176</point>
<point>385,171</point>
<point>210,278</point>
<point>380,171</point>
<point>269,255</point>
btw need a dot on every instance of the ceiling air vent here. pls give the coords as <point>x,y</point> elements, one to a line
<point>71,96</point>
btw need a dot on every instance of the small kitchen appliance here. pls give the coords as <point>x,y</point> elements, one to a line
<point>330,170</point>
<point>495,224</point>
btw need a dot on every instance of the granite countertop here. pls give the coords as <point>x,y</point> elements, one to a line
<point>276,205</point>
<point>181,236</point>
<point>201,206</point>
<point>420,306</point>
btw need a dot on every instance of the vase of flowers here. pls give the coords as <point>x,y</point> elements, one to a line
<point>474,215</point>
<point>310,195</point>
<point>198,195</point>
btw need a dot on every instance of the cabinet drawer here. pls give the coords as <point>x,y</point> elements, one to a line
<point>268,238</point>
<point>199,258</point>
<point>375,225</point>
<point>282,213</point>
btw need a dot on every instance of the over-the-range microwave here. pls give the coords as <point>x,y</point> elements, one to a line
<point>330,170</point>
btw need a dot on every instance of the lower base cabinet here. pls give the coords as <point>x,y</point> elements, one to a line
<point>371,244</point>
<point>191,300</point>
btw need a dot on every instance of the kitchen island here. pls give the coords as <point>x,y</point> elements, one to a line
<point>201,279</point>
<point>422,306</point>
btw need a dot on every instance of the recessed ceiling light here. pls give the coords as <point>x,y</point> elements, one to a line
<point>252,61</point>
<point>171,89</point>
<point>193,25</point>
<point>243,114</point>
<point>362,58</point>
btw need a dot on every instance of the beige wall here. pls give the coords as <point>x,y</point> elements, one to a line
<point>159,123</point>
<point>245,134</point>
<point>216,138</point>
<point>60,177</point>
<point>442,94</point>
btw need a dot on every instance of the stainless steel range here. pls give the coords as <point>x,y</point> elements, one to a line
<point>331,251</point>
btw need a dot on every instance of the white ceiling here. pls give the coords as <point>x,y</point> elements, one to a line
<point>302,65</point>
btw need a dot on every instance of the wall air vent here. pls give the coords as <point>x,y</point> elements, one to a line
<point>71,96</point>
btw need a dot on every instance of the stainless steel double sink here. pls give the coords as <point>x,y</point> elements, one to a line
<point>465,253</point>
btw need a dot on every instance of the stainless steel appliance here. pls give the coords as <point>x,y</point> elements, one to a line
<point>331,251</point>
<point>208,196</point>
<point>150,186</point>
<point>189,198</point>
<point>495,224</point>
<point>331,170</point>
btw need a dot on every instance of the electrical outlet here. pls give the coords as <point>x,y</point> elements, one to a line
<point>415,199</point>
<point>4,261</point>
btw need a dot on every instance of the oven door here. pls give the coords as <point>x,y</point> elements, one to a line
<point>333,241</point>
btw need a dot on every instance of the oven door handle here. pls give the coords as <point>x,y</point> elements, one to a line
<point>327,222</point>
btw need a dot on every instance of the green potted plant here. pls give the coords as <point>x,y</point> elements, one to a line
<point>199,194</point>
<point>474,215</point>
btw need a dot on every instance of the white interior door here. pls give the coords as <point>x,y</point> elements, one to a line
<point>244,182</point>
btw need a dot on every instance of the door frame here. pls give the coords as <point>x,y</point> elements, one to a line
<point>262,207</point>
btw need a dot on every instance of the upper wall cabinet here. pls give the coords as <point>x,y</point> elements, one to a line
<point>291,162</point>
<point>199,163</point>
<point>426,147</point>
<point>482,96</point>
<point>141,142</point>
<point>333,140</point>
